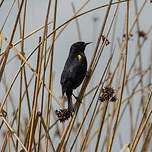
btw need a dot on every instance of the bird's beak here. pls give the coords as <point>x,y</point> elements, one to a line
<point>87,43</point>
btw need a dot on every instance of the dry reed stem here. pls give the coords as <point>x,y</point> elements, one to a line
<point>140,132</point>
<point>13,132</point>
<point>102,117</point>
<point>47,134</point>
<point>1,3</point>
<point>104,43</point>
<point>84,85</point>
<point>7,16</point>
<point>94,115</point>
<point>27,92</point>
<point>139,54</point>
<point>35,100</point>
<point>147,139</point>
<point>138,86</point>
<point>6,107</point>
<point>63,135</point>
<point>106,104</point>
<point>49,98</point>
<point>123,81</point>
<point>0,43</point>
<point>3,147</point>
<point>91,10</point>
<point>22,31</point>
<point>73,16</point>
<point>13,143</point>
<point>42,99</point>
<point>82,123</point>
<point>77,23</point>
<point>10,43</point>
<point>35,31</point>
<point>26,62</point>
<point>100,35</point>
<point>141,122</point>
<point>125,147</point>
<point>42,50</point>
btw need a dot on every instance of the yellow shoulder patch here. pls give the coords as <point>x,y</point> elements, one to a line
<point>79,57</point>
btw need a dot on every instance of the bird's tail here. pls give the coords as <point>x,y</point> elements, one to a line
<point>63,92</point>
<point>70,104</point>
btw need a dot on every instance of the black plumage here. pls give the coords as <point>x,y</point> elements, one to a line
<point>74,71</point>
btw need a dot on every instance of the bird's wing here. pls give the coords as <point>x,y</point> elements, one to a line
<point>65,73</point>
<point>77,67</point>
<point>71,69</point>
<point>74,72</point>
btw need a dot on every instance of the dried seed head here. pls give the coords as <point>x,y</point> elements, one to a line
<point>113,99</point>
<point>142,34</point>
<point>107,94</point>
<point>107,41</point>
<point>63,114</point>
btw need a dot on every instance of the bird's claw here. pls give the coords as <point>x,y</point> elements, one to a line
<point>77,99</point>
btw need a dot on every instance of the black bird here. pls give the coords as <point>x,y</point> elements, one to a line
<point>74,71</point>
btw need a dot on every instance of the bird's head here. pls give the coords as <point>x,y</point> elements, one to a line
<point>78,46</point>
